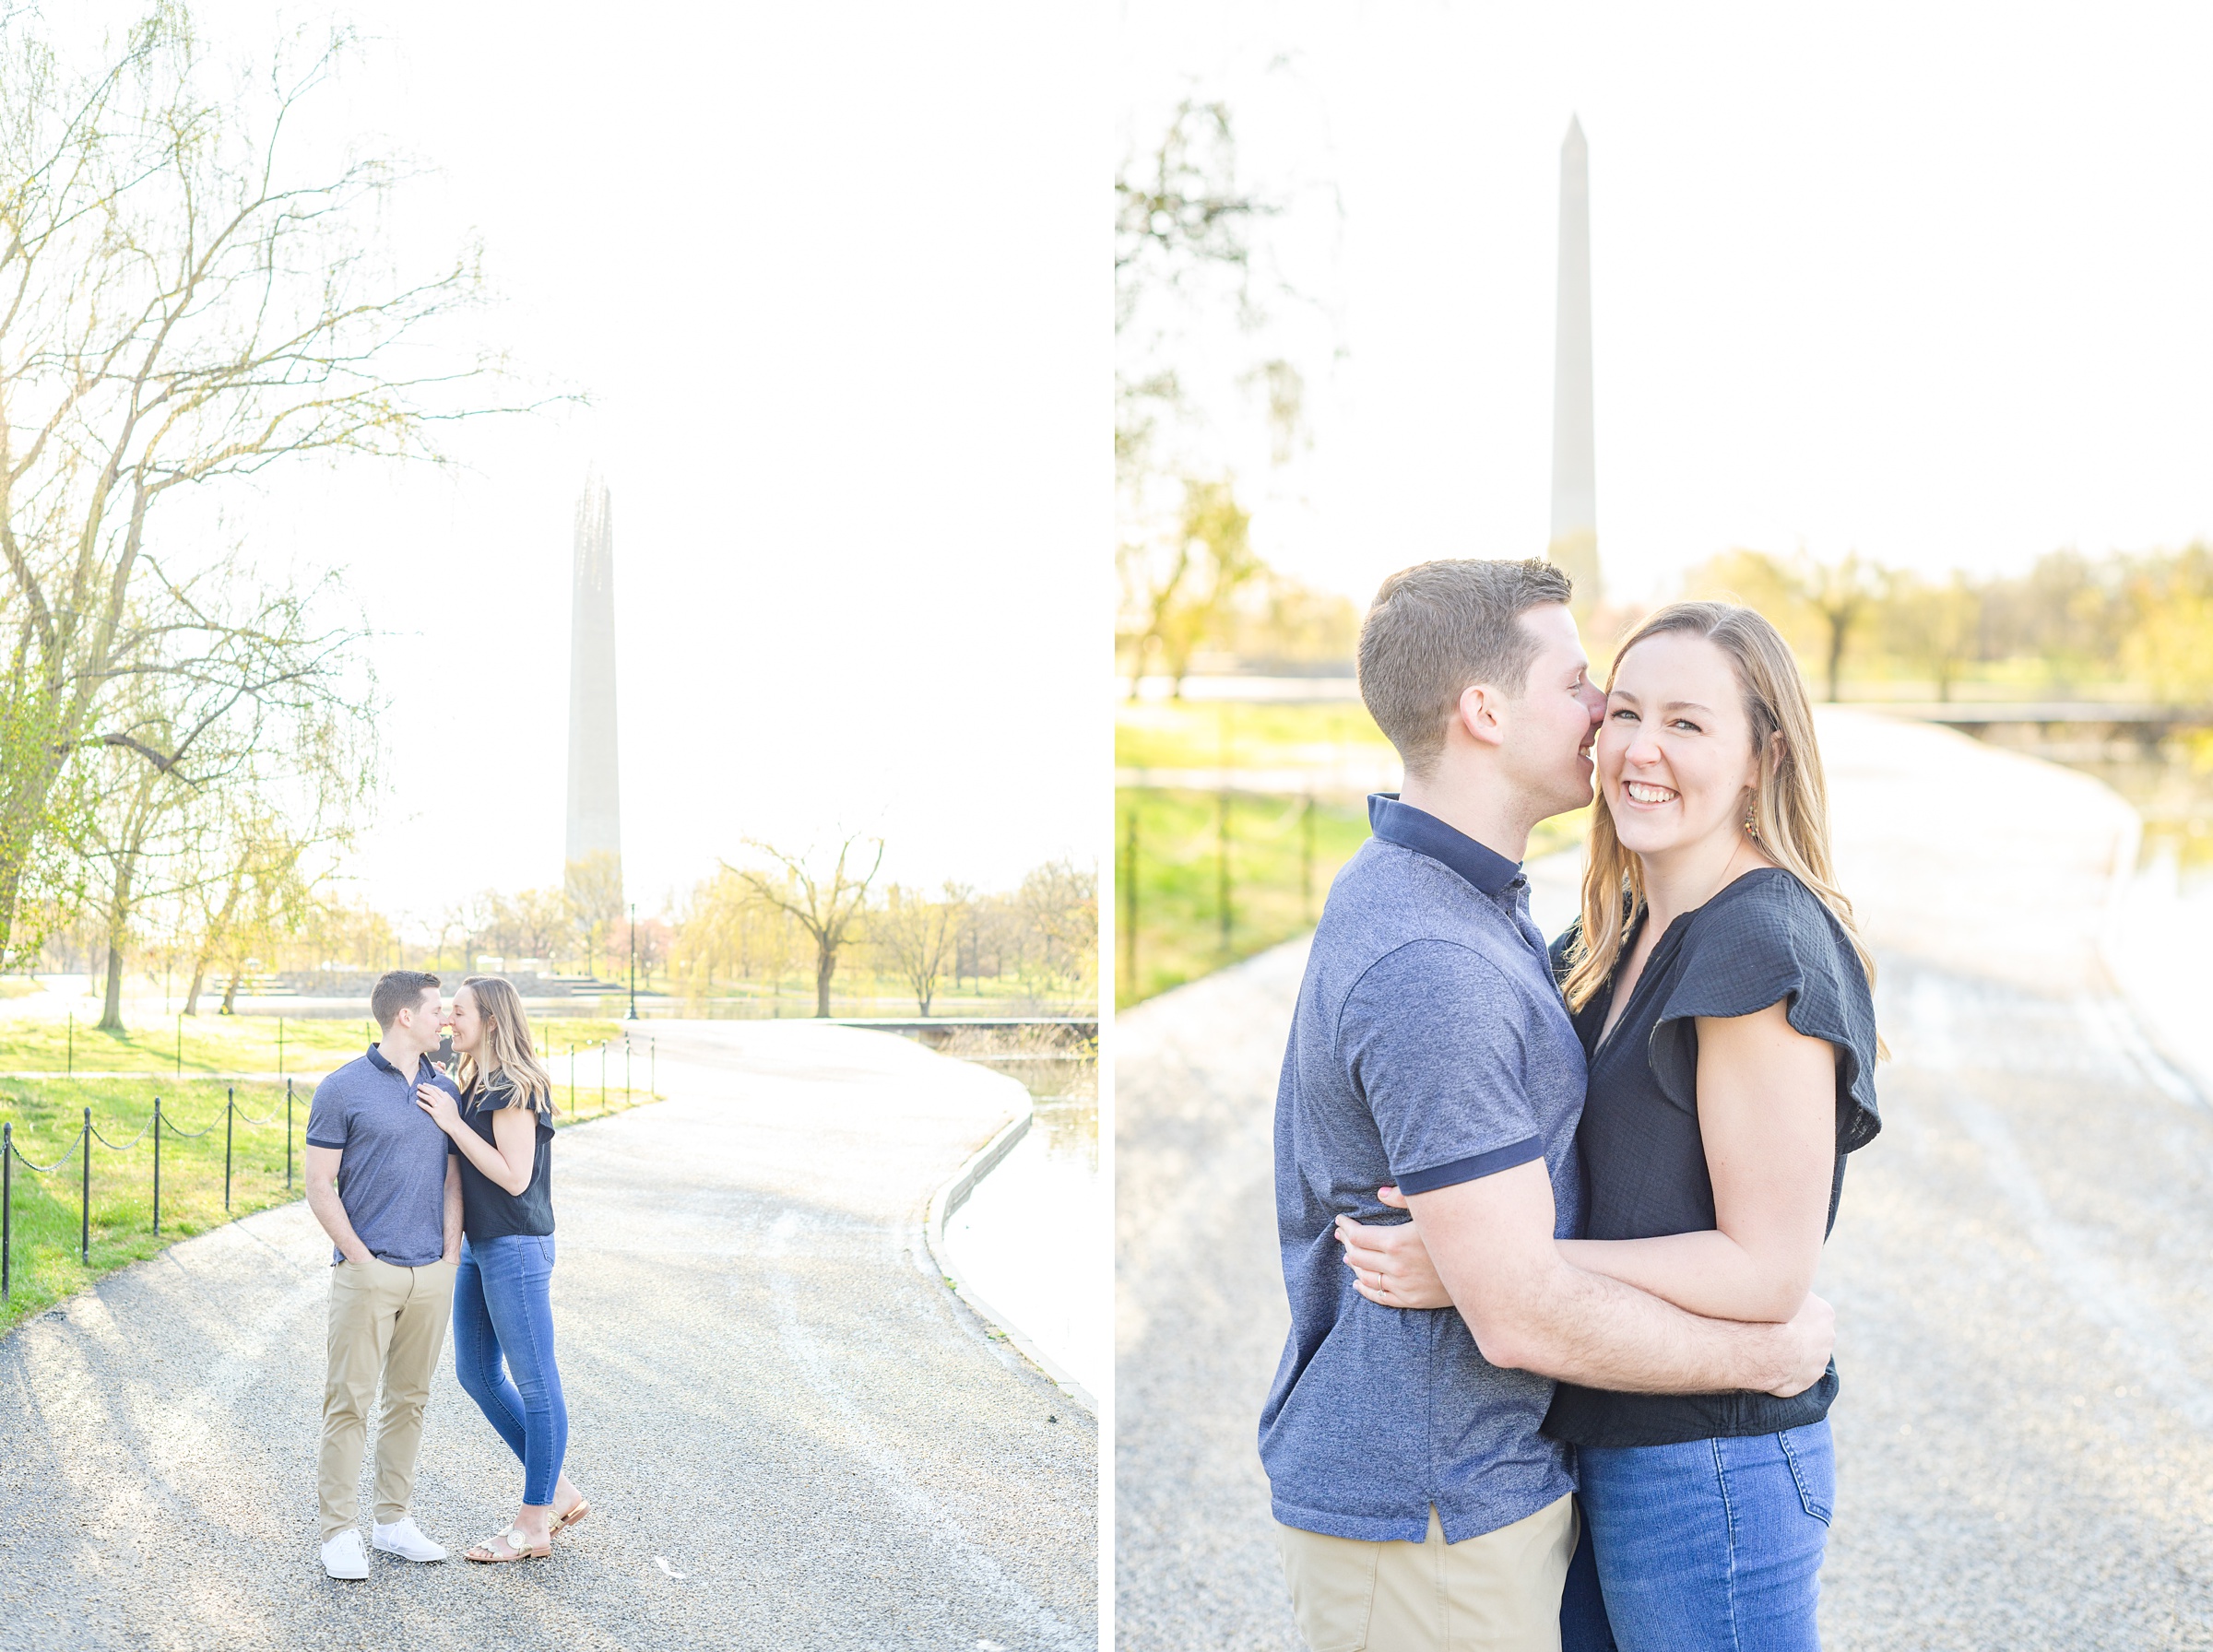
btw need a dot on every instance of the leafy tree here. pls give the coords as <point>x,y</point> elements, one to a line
<point>1192,601</point>
<point>182,306</point>
<point>1937,626</point>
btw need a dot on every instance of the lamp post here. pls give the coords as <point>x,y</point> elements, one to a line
<point>634,963</point>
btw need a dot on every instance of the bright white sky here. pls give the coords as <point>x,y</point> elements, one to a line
<point>836,278</point>
<point>1928,282</point>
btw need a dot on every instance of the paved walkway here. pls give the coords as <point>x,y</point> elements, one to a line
<point>2022,1269</point>
<point>769,1391</point>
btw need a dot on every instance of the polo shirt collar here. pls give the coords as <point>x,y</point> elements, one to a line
<point>1417,829</point>
<point>380,1061</point>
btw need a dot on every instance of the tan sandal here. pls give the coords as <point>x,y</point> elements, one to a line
<point>577,1511</point>
<point>513,1538</point>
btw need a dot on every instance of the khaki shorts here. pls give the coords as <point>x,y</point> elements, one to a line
<point>1500,1592</point>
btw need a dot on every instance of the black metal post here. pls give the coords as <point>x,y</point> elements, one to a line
<point>84,1235</point>
<point>1222,872</point>
<point>287,1135</point>
<point>634,961</point>
<point>1129,905</point>
<point>1305,854</point>
<point>229,1114</point>
<point>157,1164</point>
<point>7,1204</point>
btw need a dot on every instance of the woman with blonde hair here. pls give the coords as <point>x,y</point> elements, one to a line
<point>1722,998</point>
<point>503,1127</point>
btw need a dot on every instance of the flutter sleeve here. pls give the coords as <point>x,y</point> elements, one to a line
<point>1772,942</point>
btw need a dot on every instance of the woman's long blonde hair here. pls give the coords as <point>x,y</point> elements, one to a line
<point>507,1039</point>
<point>1789,800</point>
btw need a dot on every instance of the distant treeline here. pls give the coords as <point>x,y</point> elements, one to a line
<point>2142,622</point>
<point>759,925</point>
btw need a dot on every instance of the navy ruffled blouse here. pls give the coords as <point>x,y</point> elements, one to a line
<point>1764,939</point>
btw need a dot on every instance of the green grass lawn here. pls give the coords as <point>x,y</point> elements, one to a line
<point>211,1043</point>
<point>1280,860</point>
<point>1280,863</point>
<point>231,1044</point>
<point>1280,867</point>
<point>46,1117</point>
<point>1167,734</point>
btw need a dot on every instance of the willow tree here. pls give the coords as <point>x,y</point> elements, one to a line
<point>189,296</point>
<point>241,742</point>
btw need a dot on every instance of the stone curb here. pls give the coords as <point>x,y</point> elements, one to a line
<point>948,1200</point>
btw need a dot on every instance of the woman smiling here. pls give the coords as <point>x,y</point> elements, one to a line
<point>1722,999</point>
<point>502,1130</point>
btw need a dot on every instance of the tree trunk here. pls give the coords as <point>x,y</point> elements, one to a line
<point>111,1012</point>
<point>230,992</point>
<point>191,994</point>
<point>825,962</point>
<point>11,884</point>
<point>1838,625</point>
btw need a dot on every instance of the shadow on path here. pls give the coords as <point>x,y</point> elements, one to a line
<point>770,1390</point>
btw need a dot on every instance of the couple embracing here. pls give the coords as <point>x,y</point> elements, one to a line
<point>1580,1398</point>
<point>438,1198</point>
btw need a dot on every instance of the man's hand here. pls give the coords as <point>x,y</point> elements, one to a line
<point>1390,1263</point>
<point>1807,1341</point>
<point>453,1209</point>
<point>323,1203</point>
<point>1392,1267</point>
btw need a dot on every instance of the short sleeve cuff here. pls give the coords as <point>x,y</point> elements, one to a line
<point>1474,1169</point>
<point>313,1142</point>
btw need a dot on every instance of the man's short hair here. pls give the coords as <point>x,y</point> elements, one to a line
<point>397,990</point>
<point>1435,629</point>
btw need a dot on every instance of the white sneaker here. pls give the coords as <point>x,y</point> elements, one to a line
<point>344,1557</point>
<point>405,1538</point>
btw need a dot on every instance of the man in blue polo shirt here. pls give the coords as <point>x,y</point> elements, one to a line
<point>1417,1505</point>
<point>388,1192</point>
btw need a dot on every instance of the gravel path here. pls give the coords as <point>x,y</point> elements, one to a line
<point>770,1390</point>
<point>2022,1269</point>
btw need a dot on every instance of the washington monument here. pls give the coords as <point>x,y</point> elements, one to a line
<point>1574,465</point>
<point>595,778</point>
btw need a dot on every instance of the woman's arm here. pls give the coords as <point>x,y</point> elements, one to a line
<point>508,1160</point>
<point>1768,1115</point>
<point>1766,1111</point>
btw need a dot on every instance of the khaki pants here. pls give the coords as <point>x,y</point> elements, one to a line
<point>1500,1592</point>
<point>390,1321</point>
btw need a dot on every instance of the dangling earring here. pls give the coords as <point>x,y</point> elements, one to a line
<point>1752,817</point>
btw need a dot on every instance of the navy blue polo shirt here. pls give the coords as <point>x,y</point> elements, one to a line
<point>1431,1046</point>
<point>391,1179</point>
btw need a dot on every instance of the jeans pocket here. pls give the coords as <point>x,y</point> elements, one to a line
<point>1812,1463</point>
<point>545,1248</point>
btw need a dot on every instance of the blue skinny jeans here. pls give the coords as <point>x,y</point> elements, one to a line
<point>504,1351</point>
<point>1710,1546</point>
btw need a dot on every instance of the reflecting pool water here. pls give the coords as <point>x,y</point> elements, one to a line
<point>1034,1238</point>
